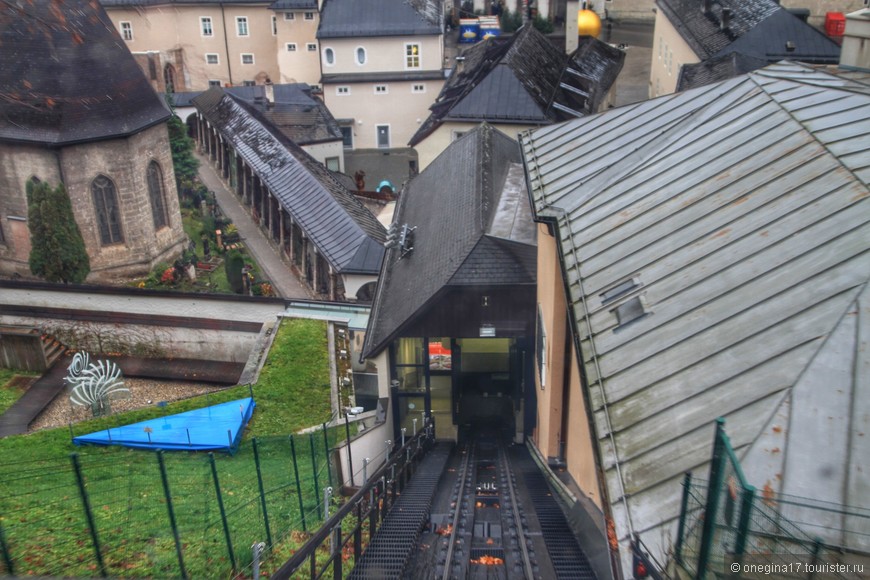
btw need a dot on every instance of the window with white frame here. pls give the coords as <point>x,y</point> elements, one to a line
<point>342,91</point>
<point>205,26</point>
<point>360,55</point>
<point>346,136</point>
<point>311,46</point>
<point>412,55</point>
<point>212,58</point>
<point>381,89</point>
<point>249,83</point>
<point>328,56</point>
<point>127,30</point>
<point>247,58</point>
<point>333,163</point>
<point>289,16</point>
<point>291,47</point>
<point>418,88</point>
<point>274,25</point>
<point>309,16</point>
<point>214,83</point>
<point>242,25</point>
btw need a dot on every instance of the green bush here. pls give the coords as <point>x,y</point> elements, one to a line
<point>234,264</point>
<point>543,25</point>
<point>58,251</point>
<point>510,21</point>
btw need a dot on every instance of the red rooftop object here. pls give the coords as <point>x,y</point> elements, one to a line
<point>835,23</point>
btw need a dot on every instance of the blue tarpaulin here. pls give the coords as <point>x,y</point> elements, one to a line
<point>214,428</point>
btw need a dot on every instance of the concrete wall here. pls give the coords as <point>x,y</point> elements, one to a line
<point>669,53</point>
<point>433,145</point>
<point>178,27</point>
<point>856,41</point>
<point>324,151</point>
<point>301,65</point>
<point>400,108</point>
<point>382,54</point>
<point>200,343</point>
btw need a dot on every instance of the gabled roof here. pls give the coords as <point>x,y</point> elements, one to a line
<point>465,205</point>
<point>301,117</point>
<point>524,79</point>
<point>67,77</point>
<point>742,209</point>
<point>756,28</point>
<point>361,18</point>
<point>717,69</point>
<point>346,233</point>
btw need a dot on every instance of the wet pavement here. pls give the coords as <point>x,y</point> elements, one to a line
<point>264,252</point>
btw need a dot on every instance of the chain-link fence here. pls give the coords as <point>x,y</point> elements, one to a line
<point>122,513</point>
<point>724,523</point>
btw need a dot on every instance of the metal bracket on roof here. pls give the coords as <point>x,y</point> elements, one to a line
<point>567,110</point>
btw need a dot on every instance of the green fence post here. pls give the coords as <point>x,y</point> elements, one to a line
<point>262,493</point>
<point>171,511</point>
<point>223,511</point>
<point>681,528</point>
<point>716,473</point>
<point>314,470</point>
<point>298,483</point>
<point>814,561</point>
<point>86,504</point>
<point>746,505</point>
<point>326,450</point>
<point>7,556</point>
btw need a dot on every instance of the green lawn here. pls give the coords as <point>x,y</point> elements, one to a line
<point>8,393</point>
<point>44,524</point>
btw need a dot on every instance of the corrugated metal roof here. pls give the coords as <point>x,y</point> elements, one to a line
<point>452,203</point>
<point>343,230</point>
<point>360,18</point>
<point>67,77</point>
<point>742,209</point>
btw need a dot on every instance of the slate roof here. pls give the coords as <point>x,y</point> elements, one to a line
<point>717,69</point>
<point>455,203</point>
<point>68,78</point>
<point>294,5</point>
<point>743,210</point>
<point>757,28</point>
<point>143,3</point>
<point>362,18</point>
<point>346,233</point>
<point>301,117</point>
<point>525,79</point>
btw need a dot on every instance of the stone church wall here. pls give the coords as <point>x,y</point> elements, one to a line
<point>125,162</point>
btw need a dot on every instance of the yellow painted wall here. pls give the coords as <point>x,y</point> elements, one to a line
<point>669,53</point>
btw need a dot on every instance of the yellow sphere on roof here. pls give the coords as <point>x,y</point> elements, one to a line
<point>588,23</point>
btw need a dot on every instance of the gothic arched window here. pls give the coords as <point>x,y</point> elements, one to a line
<point>107,210</point>
<point>158,198</point>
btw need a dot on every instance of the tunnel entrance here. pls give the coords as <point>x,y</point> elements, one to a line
<point>463,382</point>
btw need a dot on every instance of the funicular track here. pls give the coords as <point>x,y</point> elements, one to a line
<point>484,537</point>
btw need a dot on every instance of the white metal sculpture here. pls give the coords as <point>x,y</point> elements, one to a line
<point>94,385</point>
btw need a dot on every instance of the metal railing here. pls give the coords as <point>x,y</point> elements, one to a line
<point>345,533</point>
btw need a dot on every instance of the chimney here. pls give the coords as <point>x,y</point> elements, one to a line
<point>790,46</point>
<point>270,92</point>
<point>725,19</point>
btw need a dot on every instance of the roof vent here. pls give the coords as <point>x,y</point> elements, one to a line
<point>789,46</point>
<point>725,19</point>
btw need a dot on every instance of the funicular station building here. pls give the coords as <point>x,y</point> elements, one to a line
<point>329,238</point>
<point>455,304</point>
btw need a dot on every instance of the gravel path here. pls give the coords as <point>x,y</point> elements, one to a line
<point>143,393</point>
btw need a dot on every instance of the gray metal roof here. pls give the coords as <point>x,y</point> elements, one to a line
<point>67,77</point>
<point>454,203</point>
<point>287,5</point>
<point>525,79</point>
<point>742,209</point>
<point>757,28</point>
<point>361,18</point>
<point>343,230</point>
